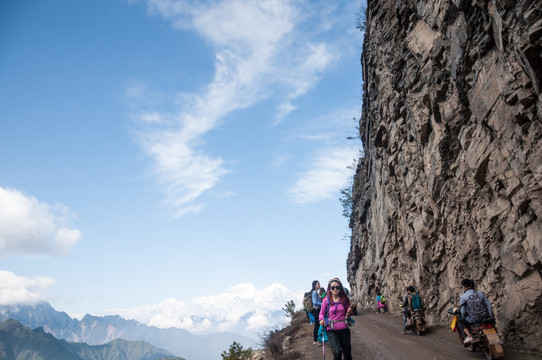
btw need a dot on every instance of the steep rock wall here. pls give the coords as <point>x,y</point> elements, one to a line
<point>450,185</point>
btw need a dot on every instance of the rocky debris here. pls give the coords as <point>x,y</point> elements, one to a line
<point>450,185</point>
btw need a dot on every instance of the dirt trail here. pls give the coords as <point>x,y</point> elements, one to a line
<point>378,336</point>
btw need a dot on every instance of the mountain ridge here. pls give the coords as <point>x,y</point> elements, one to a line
<point>20,342</point>
<point>96,330</point>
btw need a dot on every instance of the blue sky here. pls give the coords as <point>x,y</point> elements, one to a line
<point>165,159</point>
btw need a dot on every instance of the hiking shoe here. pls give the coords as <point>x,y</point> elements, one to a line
<point>403,332</point>
<point>317,343</point>
<point>468,340</point>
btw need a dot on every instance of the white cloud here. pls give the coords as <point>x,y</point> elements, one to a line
<point>139,94</point>
<point>333,127</point>
<point>166,8</point>
<point>252,23</point>
<point>260,320</point>
<point>66,238</point>
<point>151,117</point>
<point>184,173</point>
<point>317,58</point>
<point>329,169</point>
<point>284,109</point>
<point>327,173</point>
<point>19,289</point>
<point>29,226</point>
<point>309,67</point>
<point>250,39</point>
<point>221,313</point>
<point>280,159</point>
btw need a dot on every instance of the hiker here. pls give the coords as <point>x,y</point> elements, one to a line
<point>351,298</point>
<point>322,292</point>
<point>381,303</point>
<point>316,303</point>
<point>337,309</point>
<point>310,316</point>
<point>474,306</point>
<point>307,306</point>
<point>412,302</point>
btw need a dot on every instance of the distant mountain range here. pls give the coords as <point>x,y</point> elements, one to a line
<point>20,342</point>
<point>94,330</point>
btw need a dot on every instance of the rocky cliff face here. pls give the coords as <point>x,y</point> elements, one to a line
<point>450,185</point>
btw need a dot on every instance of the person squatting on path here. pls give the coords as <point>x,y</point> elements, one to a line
<point>336,308</point>
<point>316,303</point>
<point>381,303</point>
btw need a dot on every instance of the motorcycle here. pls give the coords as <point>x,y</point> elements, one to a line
<point>416,321</point>
<point>484,335</point>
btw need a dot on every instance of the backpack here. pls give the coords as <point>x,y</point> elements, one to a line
<point>416,301</point>
<point>476,308</point>
<point>383,299</point>
<point>307,302</point>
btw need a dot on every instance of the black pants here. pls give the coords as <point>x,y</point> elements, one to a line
<point>340,344</point>
<point>406,316</point>
<point>316,313</point>
<point>462,323</point>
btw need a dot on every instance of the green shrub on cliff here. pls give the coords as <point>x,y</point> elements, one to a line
<point>237,352</point>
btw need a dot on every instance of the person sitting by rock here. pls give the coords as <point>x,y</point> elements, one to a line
<point>381,303</point>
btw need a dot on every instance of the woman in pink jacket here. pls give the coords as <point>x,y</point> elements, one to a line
<point>336,308</point>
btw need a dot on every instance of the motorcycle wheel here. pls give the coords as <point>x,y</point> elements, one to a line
<point>488,352</point>
<point>471,348</point>
<point>419,329</point>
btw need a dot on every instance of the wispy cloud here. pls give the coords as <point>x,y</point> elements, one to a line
<point>327,171</point>
<point>140,95</point>
<point>250,39</point>
<point>310,67</point>
<point>22,290</point>
<point>243,305</point>
<point>280,159</point>
<point>326,174</point>
<point>28,226</point>
<point>333,127</point>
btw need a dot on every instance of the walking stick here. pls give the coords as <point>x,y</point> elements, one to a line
<point>324,341</point>
<point>324,332</point>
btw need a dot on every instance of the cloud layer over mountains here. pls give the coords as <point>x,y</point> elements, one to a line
<point>244,309</point>
<point>245,305</point>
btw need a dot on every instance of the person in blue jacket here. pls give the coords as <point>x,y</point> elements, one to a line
<point>317,304</point>
<point>469,316</point>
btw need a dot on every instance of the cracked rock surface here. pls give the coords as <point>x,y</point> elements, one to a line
<point>450,185</point>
